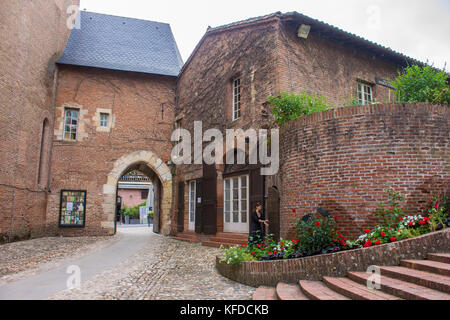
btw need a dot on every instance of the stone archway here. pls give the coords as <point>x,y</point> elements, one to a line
<point>161,171</point>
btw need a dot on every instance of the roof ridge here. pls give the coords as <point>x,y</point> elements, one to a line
<point>122,17</point>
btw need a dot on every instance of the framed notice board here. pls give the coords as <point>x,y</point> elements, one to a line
<point>72,209</point>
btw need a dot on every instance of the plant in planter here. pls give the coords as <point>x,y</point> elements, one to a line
<point>319,235</point>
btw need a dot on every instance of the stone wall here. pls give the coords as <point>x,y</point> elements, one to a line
<point>270,273</point>
<point>141,109</point>
<point>342,160</point>
<point>33,35</point>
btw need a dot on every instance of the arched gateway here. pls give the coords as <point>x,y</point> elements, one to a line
<point>148,163</point>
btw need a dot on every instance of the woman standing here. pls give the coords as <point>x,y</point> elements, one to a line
<point>257,225</point>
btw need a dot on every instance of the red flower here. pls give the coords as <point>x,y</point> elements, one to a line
<point>293,210</point>
<point>275,251</point>
<point>295,241</point>
<point>281,243</point>
<point>436,206</point>
<point>335,218</point>
<point>410,224</point>
<point>253,253</point>
<point>393,239</point>
<point>269,253</point>
<point>317,224</point>
<point>378,242</point>
<point>383,234</point>
<point>421,222</point>
<point>258,245</point>
<point>366,230</point>
<point>368,244</point>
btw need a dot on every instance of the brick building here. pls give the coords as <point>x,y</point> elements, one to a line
<point>114,114</point>
<point>239,65</point>
<point>70,130</point>
<point>33,35</point>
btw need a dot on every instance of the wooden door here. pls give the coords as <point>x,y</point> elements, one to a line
<point>209,207</point>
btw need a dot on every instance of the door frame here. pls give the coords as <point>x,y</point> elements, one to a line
<point>236,227</point>
<point>191,224</point>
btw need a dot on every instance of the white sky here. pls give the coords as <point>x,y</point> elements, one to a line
<point>417,28</point>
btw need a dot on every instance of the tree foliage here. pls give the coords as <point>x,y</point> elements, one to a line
<point>422,84</point>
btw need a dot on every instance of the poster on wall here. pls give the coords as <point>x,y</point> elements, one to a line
<point>72,209</point>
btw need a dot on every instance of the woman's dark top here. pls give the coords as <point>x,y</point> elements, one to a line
<point>255,225</point>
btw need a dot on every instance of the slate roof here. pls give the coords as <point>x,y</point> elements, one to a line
<point>118,43</point>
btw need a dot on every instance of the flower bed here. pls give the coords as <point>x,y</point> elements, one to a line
<point>269,273</point>
<point>317,236</point>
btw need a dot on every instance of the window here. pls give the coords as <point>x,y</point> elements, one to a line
<point>144,194</point>
<point>236,99</point>
<point>192,191</point>
<point>236,199</point>
<point>44,155</point>
<point>71,124</point>
<point>104,117</point>
<point>364,94</point>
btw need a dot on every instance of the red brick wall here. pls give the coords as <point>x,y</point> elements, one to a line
<point>342,160</point>
<point>33,35</point>
<point>142,109</point>
<point>326,67</point>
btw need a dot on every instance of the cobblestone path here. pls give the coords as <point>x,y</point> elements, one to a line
<point>163,268</point>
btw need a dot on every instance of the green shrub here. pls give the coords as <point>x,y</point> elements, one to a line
<point>133,212</point>
<point>290,106</point>
<point>235,255</point>
<point>422,84</point>
<point>389,216</point>
<point>316,234</point>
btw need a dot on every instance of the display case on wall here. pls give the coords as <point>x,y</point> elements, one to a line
<point>72,209</point>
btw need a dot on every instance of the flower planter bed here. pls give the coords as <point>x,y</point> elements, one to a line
<point>269,273</point>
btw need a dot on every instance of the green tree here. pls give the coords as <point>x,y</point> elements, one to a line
<point>422,84</point>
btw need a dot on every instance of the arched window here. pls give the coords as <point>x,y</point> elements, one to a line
<point>44,155</point>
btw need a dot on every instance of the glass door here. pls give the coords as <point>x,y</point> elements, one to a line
<point>236,204</point>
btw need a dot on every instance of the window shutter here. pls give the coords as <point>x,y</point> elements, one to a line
<point>256,188</point>
<point>209,208</point>
<point>180,222</point>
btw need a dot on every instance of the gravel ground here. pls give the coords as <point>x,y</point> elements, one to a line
<point>166,269</point>
<point>24,258</point>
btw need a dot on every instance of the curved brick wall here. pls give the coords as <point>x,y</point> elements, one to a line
<point>342,160</point>
<point>269,273</point>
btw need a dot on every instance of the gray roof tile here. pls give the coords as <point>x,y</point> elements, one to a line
<point>118,43</point>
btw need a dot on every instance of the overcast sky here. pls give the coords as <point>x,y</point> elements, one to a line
<point>417,28</point>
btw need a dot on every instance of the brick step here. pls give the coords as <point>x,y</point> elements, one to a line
<point>239,236</point>
<point>317,290</point>
<point>290,292</point>
<point>356,291</point>
<point>265,293</point>
<point>428,266</point>
<point>439,257</point>
<point>228,240</point>
<point>217,244</point>
<point>402,289</point>
<point>421,278</point>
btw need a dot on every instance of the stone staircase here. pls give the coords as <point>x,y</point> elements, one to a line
<point>412,280</point>
<point>225,239</point>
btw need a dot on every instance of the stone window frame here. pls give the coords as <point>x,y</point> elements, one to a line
<point>97,120</point>
<point>73,127</point>
<point>60,119</point>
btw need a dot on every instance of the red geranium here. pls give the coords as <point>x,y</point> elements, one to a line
<point>366,230</point>
<point>421,222</point>
<point>383,234</point>
<point>393,239</point>
<point>368,244</point>
<point>253,253</point>
<point>318,224</point>
<point>269,253</point>
<point>410,224</point>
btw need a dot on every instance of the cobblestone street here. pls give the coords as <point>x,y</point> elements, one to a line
<point>162,268</point>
